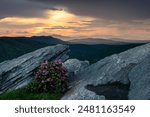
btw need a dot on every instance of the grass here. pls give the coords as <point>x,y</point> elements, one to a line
<point>23,94</point>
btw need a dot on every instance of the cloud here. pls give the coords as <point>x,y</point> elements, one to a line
<point>23,8</point>
<point>76,18</point>
<point>107,9</point>
<point>20,26</point>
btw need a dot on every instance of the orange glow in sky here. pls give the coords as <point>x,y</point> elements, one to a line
<point>65,24</point>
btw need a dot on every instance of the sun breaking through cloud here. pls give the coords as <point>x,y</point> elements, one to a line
<point>76,19</point>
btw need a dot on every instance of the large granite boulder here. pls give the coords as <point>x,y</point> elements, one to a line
<point>115,68</point>
<point>74,66</point>
<point>18,72</point>
<point>140,81</point>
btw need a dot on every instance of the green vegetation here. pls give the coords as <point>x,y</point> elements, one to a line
<point>50,82</point>
<point>24,94</point>
<point>51,76</point>
<point>12,48</point>
<point>94,53</point>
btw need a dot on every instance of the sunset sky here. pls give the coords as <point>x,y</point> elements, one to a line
<point>71,19</point>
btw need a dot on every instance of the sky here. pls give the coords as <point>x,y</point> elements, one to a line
<point>75,19</point>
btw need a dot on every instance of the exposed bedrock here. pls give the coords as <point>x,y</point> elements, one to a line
<point>124,68</point>
<point>18,72</point>
<point>74,66</point>
<point>140,81</point>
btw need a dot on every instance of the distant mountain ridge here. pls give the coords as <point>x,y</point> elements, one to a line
<point>12,47</point>
<point>117,41</point>
<point>43,39</point>
<point>89,41</point>
<point>48,39</point>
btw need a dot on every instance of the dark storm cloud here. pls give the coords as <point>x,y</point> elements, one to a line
<point>107,9</point>
<point>23,8</point>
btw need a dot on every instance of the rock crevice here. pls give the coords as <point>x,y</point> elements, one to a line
<point>115,68</point>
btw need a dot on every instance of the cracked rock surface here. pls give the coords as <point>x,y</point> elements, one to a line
<point>115,68</point>
<point>18,72</point>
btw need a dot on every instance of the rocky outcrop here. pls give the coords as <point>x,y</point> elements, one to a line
<point>18,72</point>
<point>115,68</point>
<point>74,66</point>
<point>140,81</point>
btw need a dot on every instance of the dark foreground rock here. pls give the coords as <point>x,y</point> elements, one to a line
<point>18,72</point>
<point>115,68</point>
<point>111,91</point>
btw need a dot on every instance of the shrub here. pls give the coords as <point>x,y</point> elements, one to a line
<point>51,77</point>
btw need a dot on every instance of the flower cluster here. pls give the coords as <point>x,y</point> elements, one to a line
<point>52,76</point>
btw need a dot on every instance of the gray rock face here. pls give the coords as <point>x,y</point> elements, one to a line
<point>18,72</point>
<point>87,95</point>
<point>74,66</point>
<point>140,81</point>
<point>115,68</point>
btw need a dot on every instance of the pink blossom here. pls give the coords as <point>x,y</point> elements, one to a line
<point>43,81</point>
